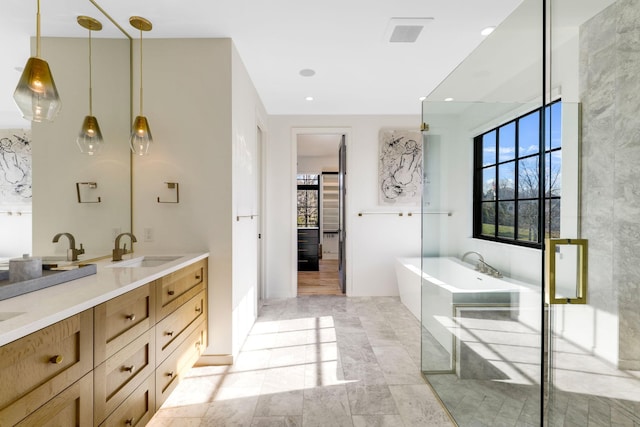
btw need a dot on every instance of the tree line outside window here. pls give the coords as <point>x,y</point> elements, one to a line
<point>507,177</point>
<point>308,200</point>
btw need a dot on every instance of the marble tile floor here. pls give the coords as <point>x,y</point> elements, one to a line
<point>315,361</point>
<point>498,378</point>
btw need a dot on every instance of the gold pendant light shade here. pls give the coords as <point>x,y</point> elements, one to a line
<point>90,139</point>
<point>141,138</point>
<point>36,94</point>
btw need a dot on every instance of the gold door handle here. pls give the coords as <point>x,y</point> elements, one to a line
<point>551,247</point>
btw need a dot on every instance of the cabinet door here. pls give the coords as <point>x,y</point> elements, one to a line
<point>72,407</point>
<point>40,365</point>
<point>137,409</point>
<point>174,328</point>
<point>178,287</point>
<point>170,371</point>
<point>122,319</point>
<point>123,372</point>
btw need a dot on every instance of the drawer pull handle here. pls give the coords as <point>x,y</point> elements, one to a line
<point>130,421</point>
<point>130,317</point>
<point>170,374</point>
<point>56,360</point>
<point>171,292</point>
<point>170,333</point>
<point>197,277</point>
<point>129,368</point>
<point>198,309</point>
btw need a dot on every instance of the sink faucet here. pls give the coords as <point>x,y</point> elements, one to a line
<point>117,251</point>
<point>482,266</point>
<point>72,252</point>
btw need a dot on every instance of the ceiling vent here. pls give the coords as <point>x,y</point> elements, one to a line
<point>405,30</point>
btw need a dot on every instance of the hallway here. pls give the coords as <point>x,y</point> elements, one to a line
<point>315,361</point>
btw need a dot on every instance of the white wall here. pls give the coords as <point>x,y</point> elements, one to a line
<point>316,165</point>
<point>202,110</point>
<point>373,242</point>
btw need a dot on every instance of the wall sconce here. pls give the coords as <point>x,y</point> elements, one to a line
<point>36,94</point>
<point>90,139</point>
<point>140,133</point>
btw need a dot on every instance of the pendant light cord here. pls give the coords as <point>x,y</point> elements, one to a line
<point>141,72</point>
<point>38,31</point>
<point>90,80</point>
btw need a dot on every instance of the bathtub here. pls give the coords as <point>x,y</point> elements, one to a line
<point>436,292</point>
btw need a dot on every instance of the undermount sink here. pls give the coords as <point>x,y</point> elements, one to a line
<point>144,261</point>
<point>8,315</point>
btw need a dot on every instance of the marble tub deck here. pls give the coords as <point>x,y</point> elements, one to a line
<point>315,361</point>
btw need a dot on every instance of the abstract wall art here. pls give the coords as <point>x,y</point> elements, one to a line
<point>399,167</point>
<point>15,167</point>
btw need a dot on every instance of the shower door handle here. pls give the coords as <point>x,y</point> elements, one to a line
<point>552,247</point>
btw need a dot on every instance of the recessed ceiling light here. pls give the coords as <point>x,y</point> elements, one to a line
<point>307,72</point>
<point>309,98</point>
<point>487,31</point>
<point>422,98</point>
<point>448,99</point>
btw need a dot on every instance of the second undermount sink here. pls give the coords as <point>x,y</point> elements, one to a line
<point>144,261</point>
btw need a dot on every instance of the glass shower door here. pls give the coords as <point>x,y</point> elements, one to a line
<point>481,275</point>
<point>594,343</point>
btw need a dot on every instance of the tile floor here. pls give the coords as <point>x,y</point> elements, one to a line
<point>315,361</point>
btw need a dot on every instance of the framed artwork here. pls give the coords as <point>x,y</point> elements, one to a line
<point>399,167</point>
<point>15,167</point>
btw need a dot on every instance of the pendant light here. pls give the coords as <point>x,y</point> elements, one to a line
<point>36,94</point>
<point>90,138</point>
<point>140,133</point>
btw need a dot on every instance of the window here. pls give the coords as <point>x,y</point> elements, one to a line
<point>308,202</point>
<point>507,179</point>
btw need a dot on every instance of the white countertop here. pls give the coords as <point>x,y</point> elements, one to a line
<point>39,309</point>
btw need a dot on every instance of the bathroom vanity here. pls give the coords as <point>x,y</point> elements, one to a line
<point>105,349</point>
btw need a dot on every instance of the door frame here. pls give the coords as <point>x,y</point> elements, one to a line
<point>293,241</point>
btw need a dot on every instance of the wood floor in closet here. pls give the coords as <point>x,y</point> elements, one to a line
<point>323,282</point>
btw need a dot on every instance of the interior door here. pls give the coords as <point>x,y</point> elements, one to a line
<point>342,233</point>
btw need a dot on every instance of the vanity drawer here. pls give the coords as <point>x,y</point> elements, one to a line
<point>43,364</point>
<point>170,372</point>
<point>137,409</point>
<point>72,407</point>
<point>178,287</point>
<point>121,319</point>
<point>123,372</point>
<point>173,329</point>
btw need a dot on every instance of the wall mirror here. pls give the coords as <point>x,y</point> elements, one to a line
<point>63,190</point>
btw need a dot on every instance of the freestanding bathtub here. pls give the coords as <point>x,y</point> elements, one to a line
<point>437,290</point>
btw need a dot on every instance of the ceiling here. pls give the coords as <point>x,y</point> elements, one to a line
<point>357,71</point>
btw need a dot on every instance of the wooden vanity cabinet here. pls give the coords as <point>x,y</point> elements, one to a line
<point>40,366</point>
<point>112,365</point>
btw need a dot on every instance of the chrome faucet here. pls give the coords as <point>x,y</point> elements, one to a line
<point>482,266</point>
<point>117,251</point>
<point>72,252</point>
<point>473,253</point>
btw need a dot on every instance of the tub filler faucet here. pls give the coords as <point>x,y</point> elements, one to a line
<point>482,266</point>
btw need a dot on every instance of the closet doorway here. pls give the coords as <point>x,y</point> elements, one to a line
<point>320,224</point>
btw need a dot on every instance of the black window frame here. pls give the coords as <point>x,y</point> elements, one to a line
<point>545,198</point>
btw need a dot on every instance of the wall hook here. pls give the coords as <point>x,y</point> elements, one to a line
<point>91,185</point>
<point>172,185</point>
